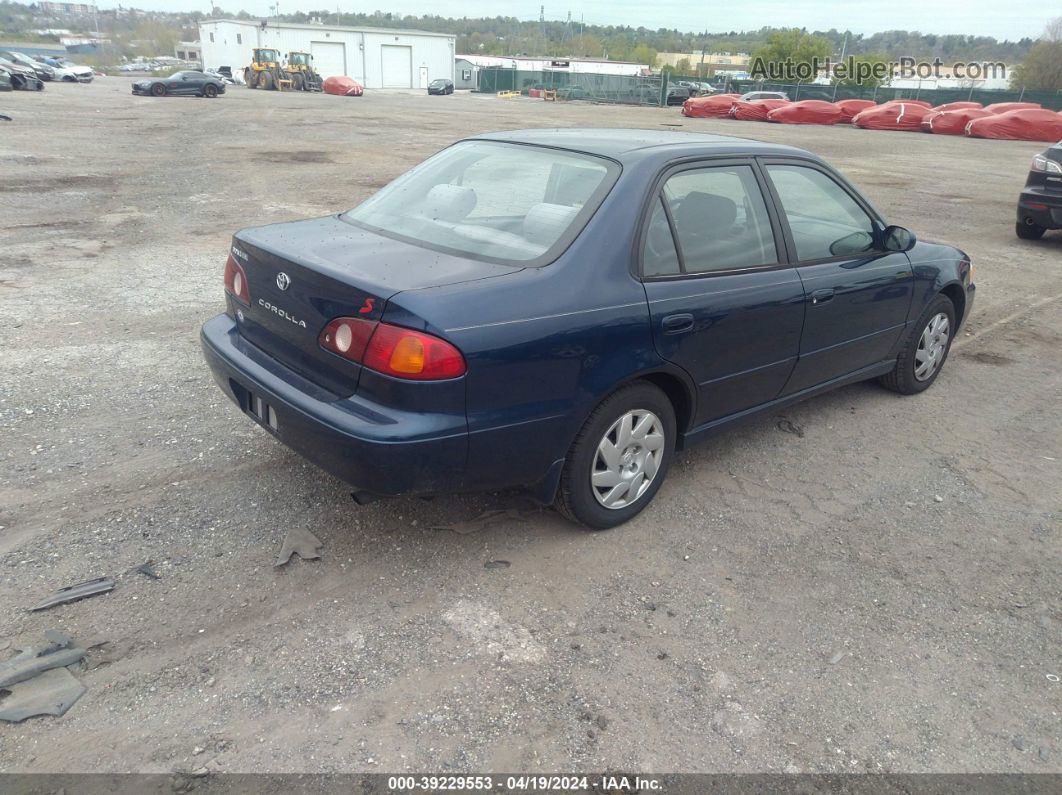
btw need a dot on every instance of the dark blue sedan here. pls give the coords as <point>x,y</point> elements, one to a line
<point>562,310</point>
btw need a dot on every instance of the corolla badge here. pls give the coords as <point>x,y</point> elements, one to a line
<point>283,280</point>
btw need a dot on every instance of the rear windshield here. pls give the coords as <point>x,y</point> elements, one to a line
<point>506,203</point>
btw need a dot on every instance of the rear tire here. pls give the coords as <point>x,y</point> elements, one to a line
<point>625,445</point>
<point>925,350</point>
<point>158,90</point>
<point>1029,231</point>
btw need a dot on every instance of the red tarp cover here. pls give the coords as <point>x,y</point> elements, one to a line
<point>707,107</point>
<point>756,110</point>
<point>808,111</point>
<point>952,122</point>
<point>958,106</point>
<point>850,107</point>
<point>921,102</point>
<point>1003,107</point>
<point>892,116</point>
<point>343,86</point>
<point>1019,125</point>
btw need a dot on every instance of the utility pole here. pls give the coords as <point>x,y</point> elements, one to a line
<point>704,47</point>
<point>542,24</point>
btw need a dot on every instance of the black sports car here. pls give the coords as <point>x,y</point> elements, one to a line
<point>196,84</point>
<point>1040,204</point>
<point>441,86</point>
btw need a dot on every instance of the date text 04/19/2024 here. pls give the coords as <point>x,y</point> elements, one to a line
<point>523,783</point>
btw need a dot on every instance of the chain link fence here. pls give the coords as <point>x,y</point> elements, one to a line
<point>672,89</point>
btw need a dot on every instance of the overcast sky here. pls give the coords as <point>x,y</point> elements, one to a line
<point>979,17</point>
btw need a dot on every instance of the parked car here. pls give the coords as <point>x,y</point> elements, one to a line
<point>752,96</point>
<point>198,84</point>
<point>68,71</point>
<point>43,71</point>
<point>1040,204</point>
<point>563,309</point>
<point>5,80</point>
<point>22,77</point>
<point>227,79</point>
<point>572,92</point>
<point>441,86</point>
<point>649,93</point>
<point>697,88</point>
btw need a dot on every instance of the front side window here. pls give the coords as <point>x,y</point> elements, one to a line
<point>824,219</point>
<point>720,219</point>
<point>504,202</point>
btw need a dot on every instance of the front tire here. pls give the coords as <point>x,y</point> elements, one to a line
<point>1029,231</point>
<point>210,91</point>
<point>619,459</point>
<point>158,90</point>
<point>925,350</point>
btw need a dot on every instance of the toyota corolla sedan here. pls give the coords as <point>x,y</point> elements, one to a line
<point>563,310</point>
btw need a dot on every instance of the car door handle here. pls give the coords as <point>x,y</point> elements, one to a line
<point>678,324</point>
<point>821,296</point>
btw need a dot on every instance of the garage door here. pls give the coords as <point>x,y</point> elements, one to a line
<point>397,66</point>
<point>329,58</point>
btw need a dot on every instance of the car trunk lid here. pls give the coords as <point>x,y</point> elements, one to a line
<point>303,274</point>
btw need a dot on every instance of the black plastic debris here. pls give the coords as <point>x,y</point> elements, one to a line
<point>497,564</point>
<point>147,570</point>
<point>73,593</point>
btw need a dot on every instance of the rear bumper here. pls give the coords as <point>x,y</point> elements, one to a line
<point>371,447</point>
<point>1041,207</point>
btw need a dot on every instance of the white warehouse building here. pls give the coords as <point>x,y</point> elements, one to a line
<point>375,57</point>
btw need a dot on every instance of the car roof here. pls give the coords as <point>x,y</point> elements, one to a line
<point>636,144</point>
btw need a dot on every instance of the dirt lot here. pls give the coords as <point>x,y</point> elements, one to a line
<point>876,587</point>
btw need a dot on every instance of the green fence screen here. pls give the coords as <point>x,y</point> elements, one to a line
<point>649,90</point>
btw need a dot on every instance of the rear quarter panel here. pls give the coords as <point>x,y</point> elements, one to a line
<point>544,345</point>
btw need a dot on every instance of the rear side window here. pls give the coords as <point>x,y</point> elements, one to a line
<point>659,257</point>
<point>720,219</point>
<point>824,219</point>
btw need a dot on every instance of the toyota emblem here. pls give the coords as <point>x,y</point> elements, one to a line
<point>283,280</point>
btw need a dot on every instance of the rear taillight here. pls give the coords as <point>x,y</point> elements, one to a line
<point>236,281</point>
<point>393,350</point>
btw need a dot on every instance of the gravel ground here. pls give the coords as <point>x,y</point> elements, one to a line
<point>878,591</point>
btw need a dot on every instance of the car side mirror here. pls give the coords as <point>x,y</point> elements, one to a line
<point>896,238</point>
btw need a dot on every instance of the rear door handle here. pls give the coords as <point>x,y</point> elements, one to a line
<point>822,296</point>
<point>677,324</point>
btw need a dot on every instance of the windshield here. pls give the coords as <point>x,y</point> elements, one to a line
<point>299,59</point>
<point>438,82</point>
<point>503,202</point>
